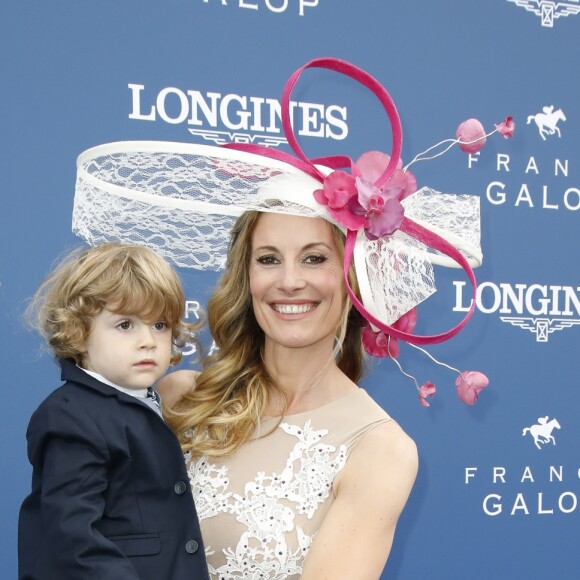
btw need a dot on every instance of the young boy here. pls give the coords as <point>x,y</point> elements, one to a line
<point>110,495</point>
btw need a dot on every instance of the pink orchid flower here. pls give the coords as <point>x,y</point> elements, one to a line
<point>427,390</point>
<point>471,135</point>
<point>372,164</point>
<point>506,127</point>
<point>383,210</point>
<point>378,343</point>
<point>338,193</point>
<point>356,202</point>
<point>469,384</point>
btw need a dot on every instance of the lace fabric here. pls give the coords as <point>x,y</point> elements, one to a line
<point>182,200</point>
<point>260,507</point>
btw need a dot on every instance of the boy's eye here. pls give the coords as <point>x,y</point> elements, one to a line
<point>124,325</point>
<point>161,326</point>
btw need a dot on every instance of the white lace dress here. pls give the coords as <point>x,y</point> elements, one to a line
<point>261,507</point>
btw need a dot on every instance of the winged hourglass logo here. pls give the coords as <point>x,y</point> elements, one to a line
<point>549,11</point>
<point>541,327</point>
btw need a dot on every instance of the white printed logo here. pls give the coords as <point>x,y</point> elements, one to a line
<point>549,11</point>
<point>542,431</point>
<point>228,117</point>
<point>222,137</point>
<point>541,327</point>
<point>547,121</point>
<point>528,490</point>
<point>538,308</point>
<point>274,6</point>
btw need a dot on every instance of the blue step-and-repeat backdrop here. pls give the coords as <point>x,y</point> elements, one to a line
<point>491,499</point>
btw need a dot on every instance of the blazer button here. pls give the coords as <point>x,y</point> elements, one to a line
<point>191,547</point>
<point>180,487</point>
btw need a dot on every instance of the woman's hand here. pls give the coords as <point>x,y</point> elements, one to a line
<point>174,385</point>
<point>355,538</point>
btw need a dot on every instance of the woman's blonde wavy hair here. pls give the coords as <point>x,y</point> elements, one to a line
<point>233,389</point>
<point>127,278</point>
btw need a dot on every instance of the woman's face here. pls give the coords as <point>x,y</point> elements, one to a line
<point>296,281</point>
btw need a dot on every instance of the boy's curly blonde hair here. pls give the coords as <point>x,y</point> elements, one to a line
<point>125,278</point>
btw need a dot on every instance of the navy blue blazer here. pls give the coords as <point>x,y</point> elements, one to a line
<point>110,495</point>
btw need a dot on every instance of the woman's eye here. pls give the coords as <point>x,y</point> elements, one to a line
<point>267,260</point>
<point>315,259</point>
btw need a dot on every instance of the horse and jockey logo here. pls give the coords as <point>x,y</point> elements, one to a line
<point>547,121</point>
<point>542,431</point>
<point>548,10</point>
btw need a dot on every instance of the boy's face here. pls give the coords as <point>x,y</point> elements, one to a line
<point>128,351</point>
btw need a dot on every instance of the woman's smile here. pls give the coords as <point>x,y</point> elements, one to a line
<point>294,308</point>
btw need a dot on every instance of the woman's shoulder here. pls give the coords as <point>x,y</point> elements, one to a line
<point>384,452</point>
<point>175,385</point>
<point>391,439</point>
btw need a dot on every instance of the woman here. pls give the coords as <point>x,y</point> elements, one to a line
<point>295,471</point>
<point>287,457</point>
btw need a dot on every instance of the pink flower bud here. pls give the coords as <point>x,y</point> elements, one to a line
<point>471,135</point>
<point>469,384</point>
<point>427,390</point>
<point>506,127</point>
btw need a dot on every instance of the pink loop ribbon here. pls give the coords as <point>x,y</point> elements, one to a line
<point>337,161</point>
<point>359,75</point>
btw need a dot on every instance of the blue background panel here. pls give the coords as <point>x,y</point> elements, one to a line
<point>66,71</point>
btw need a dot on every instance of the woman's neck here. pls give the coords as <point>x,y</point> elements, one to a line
<point>306,378</point>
